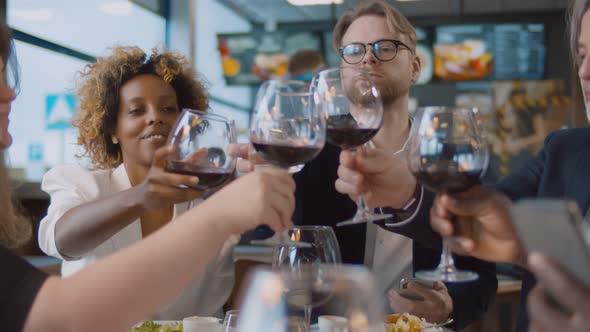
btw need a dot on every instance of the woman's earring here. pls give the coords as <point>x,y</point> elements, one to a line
<point>115,140</point>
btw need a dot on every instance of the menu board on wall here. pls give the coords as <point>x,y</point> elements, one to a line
<point>489,51</point>
<point>250,58</point>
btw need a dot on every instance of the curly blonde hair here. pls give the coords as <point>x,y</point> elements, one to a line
<point>99,89</point>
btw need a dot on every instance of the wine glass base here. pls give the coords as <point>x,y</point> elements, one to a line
<point>295,169</point>
<point>361,218</point>
<point>448,275</point>
<point>277,242</point>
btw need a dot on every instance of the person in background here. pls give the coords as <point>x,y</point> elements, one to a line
<point>133,283</point>
<point>129,102</point>
<point>303,64</point>
<point>560,170</point>
<point>407,243</point>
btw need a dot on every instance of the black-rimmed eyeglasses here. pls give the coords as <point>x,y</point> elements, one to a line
<point>383,49</point>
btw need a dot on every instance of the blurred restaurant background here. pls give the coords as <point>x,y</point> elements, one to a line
<point>510,59</point>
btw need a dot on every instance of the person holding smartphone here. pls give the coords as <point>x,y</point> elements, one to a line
<point>560,171</point>
<point>406,243</point>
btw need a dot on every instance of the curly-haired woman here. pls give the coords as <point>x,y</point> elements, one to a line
<point>128,104</point>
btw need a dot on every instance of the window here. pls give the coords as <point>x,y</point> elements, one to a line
<point>88,26</point>
<point>54,41</point>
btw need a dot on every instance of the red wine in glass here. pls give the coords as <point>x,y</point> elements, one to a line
<point>200,141</point>
<point>286,131</point>
<point>286,156</point>
<point>353,109</point>
<point>447,154</point>
<point>209,178</point>
<point>451,182</point>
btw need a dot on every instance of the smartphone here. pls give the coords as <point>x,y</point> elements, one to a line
<point>554,228</point>
<point>409,294</point>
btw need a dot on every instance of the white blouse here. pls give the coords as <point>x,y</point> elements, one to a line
<point>70,186</point>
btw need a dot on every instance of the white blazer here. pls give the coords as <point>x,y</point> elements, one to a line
<point>70,186</point>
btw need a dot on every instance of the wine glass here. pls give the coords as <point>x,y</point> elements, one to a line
<point>230,322</point>
<point>324,250</point>
<point>347,291</point>
<point>353,108</point>
<point>286,132</point>
<point>201,141</point>
<point>447,154</point>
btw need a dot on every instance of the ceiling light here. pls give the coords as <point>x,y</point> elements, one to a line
<point>314,2</point>
<point>116,8</point>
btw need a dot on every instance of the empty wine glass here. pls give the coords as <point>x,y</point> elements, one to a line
<point>324,250</point>
<point>343,290</point>
<point>201,141</point>
<point>286,131</point>
<point>447,154</point>
<point>352,105</point>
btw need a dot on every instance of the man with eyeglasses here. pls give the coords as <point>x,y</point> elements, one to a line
<point>376,37</point>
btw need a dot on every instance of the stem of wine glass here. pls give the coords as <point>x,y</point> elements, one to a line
<point>361,205</point>
<point>307,314</point>
<point>447,262</point>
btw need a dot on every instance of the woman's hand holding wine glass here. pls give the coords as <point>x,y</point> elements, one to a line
<point>199,146</point>
<point>269,201</point>
<point>161,188</point>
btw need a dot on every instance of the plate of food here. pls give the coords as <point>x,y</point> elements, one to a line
<point>158,326</point>
<point>469,60</point>
<point>409,323</point>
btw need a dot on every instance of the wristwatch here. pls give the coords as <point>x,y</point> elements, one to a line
<point>407,212</point>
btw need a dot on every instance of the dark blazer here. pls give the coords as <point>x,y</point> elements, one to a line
<point>318,203</point>
<point>561,170</point>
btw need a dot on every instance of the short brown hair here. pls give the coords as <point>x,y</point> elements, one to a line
<point>304,60</point>
<point>99,89</point>
<point>577,10</point>
<point>396,21</point>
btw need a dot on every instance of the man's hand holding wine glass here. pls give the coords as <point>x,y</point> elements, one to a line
<point>374,172</point>
<point>483,228</point>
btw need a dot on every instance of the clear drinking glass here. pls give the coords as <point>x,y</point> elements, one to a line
<point>201,141</point>
<point>353,108</point>
<point>343,290</point>
<point>286,131</point>
<point>447,153</point>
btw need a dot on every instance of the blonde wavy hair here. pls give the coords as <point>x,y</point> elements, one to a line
<point>98,95</point>
<point>396,21</point>
<point>15,229</point>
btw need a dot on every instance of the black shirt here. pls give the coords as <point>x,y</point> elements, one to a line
<point>19,284</point>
